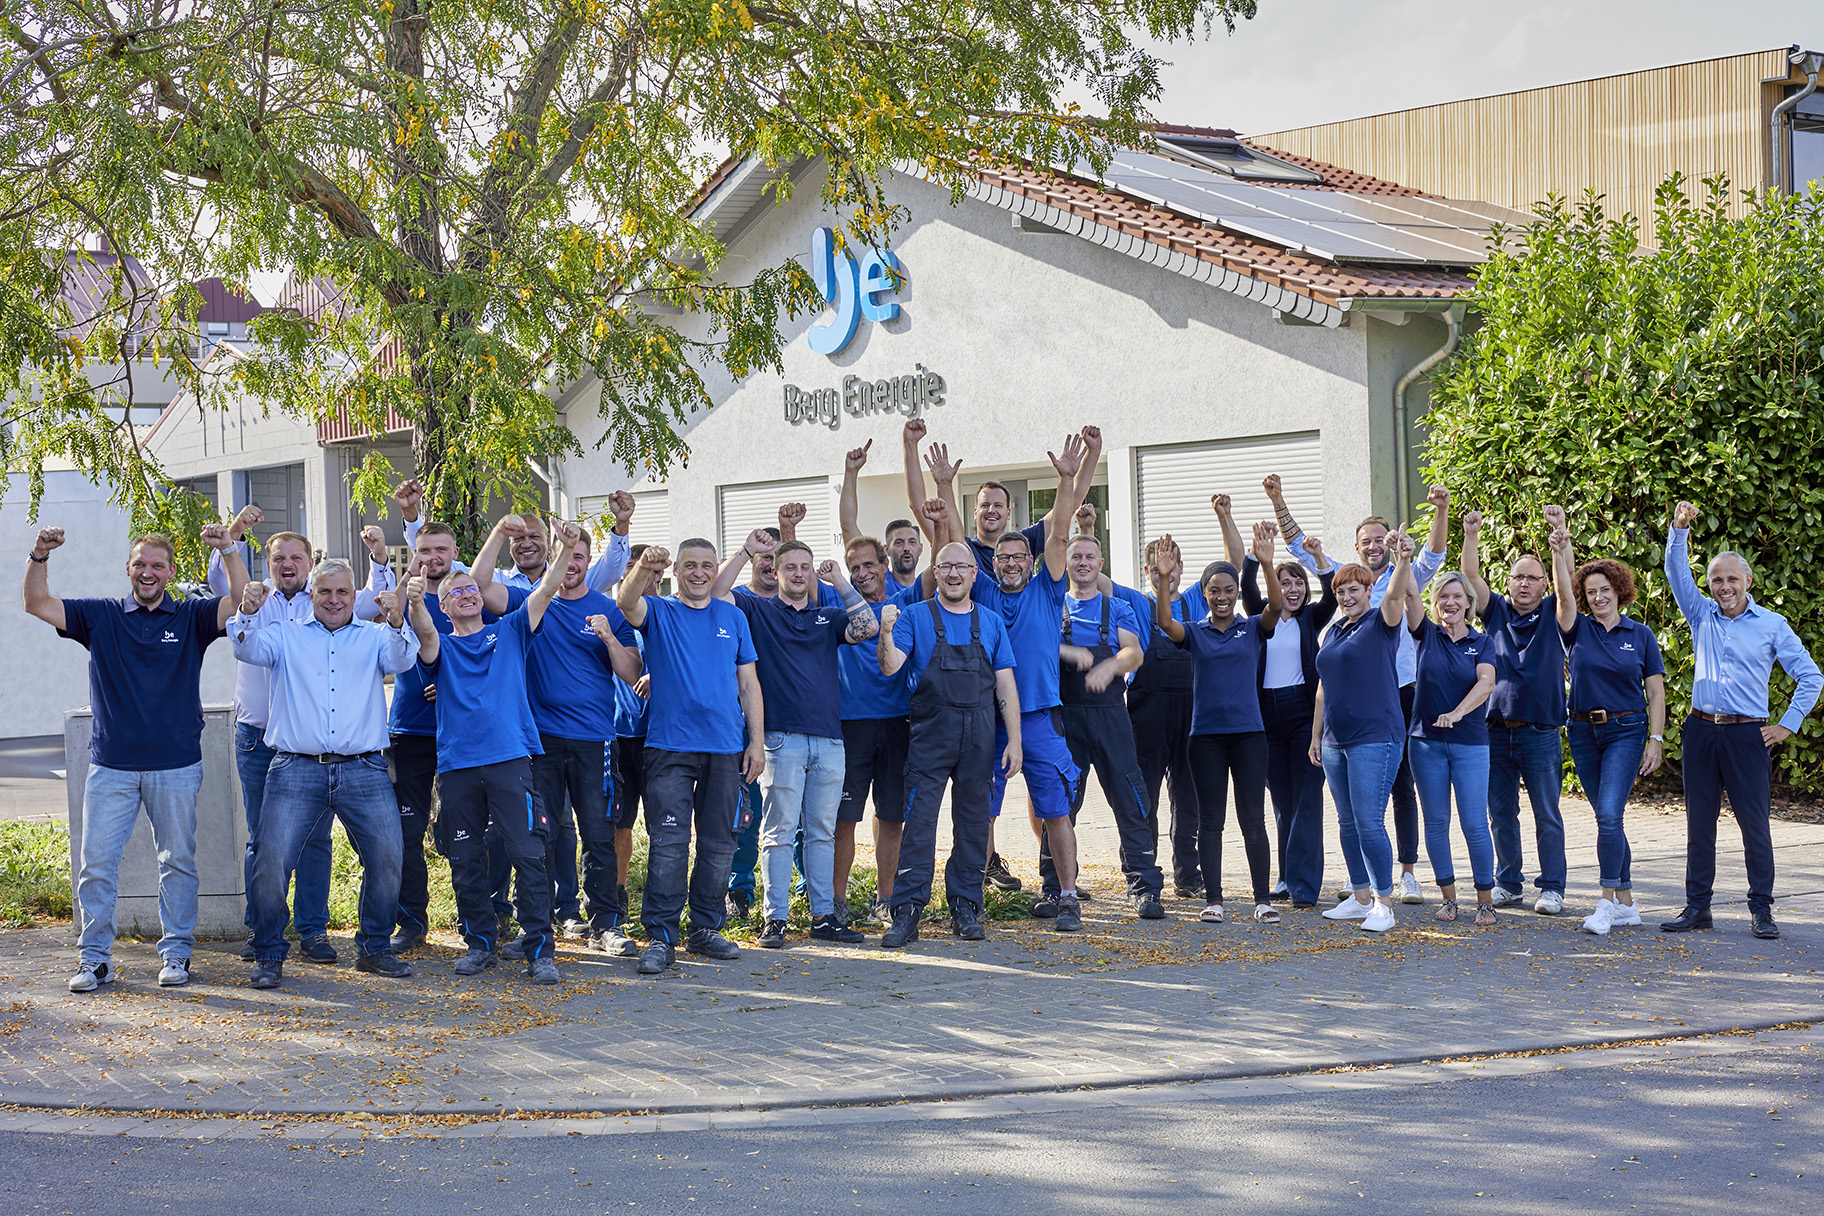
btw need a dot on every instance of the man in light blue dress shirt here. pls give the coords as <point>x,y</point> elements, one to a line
<point>1728,740</point>
<point>327,727</point>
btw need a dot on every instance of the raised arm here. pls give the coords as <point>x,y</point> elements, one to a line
<point>1264,534</point>
<point>494,595</point>
<point>1563,566</point>
<point>379,575</point>
<point>1678,562</point>
<point>943,480</point>
<point>251,642</point>
<point>1058,518</point>
<point>791,514</point>
<point>941,521</point>
<point>1393,604</point>
<point>909,439</point>
<point>631,598</point>
<point>848,509</point>
<point>862,624</point>
<point>611,563</point>
<point>216,576</point>
<point>1472,560</point>
<point>1166,563</point>
<point>564,539</point>
<point>1428,561</point>
<point>38,598</point>
<point>1070,497</point>
<point>886,651</point>
<point>624,660</point>
<point>757,544</point>
<point>429,646</point>
<point>217,538</point>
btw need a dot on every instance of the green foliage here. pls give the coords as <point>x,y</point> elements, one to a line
<point>1617,379</point>
<point>486,199</point>
<point>34,873</point>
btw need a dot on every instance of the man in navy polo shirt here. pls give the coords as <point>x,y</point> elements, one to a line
<point>578,653</point>
<point>1526,712</point>
<point>796,644</point>
<point>486,738</point>
<point>704,737</point>
<point>145,669</point>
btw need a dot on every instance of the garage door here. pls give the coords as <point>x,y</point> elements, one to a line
<point>1174,485</point>
<point>741,509</point>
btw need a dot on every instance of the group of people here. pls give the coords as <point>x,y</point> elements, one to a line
<point>751,719</point>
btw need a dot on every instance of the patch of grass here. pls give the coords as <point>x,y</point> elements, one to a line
<point>34,873</point>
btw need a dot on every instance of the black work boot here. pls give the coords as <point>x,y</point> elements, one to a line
<point>966,921</point>
<point>904,929</point>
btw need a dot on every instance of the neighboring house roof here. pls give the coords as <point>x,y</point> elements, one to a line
<point>89,282</point>
<point>221,302</point>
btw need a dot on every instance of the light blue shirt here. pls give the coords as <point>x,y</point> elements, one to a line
<point>1425,566</point>
<point>328,694</point>
<point>1735,656</point>
<point>251,694</point>
<point>603,573</point>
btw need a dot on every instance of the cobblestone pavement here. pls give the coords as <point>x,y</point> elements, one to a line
<point>1124,1002</point>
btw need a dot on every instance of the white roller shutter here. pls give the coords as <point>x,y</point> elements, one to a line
<point>651,516</point>
<point>1174,484</point>
<point>741,509</point>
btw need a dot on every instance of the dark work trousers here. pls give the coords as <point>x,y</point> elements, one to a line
<point>1161,723</point>
<point>1406,834</point>
<point>1214,760</point>
<point>1101,735</point>
<point>578,768</point>
<point>686,790</point>
<point>1297,786</point>
<point>1729,760</point>
<point>952,743</point>
<point>412,764</point>
<point>498,796</point>
<point>560,864</point>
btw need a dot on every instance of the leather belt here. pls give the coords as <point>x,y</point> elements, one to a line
<point>331,757</point>
<point>1729,719</point>
<point>1513,723</point>
<point>1596,717</point>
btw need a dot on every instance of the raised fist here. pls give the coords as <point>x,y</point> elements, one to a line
<point>511,525</point>
<point>1271,486</point>
<point>1222,505</point>
<point>375,540</point>
<point>568,534</point>
<point>1684,515</point>
<point>828,570</point>
<point>934,509</point>
<point>791,514</point>
<point>757,544</point>
<point>653,559</point>
<point>48,539</point>
<point>1554,516</point>
<point>410,496</point>
<point>1092,437</point>
<point>1401,545</point>
<point>1559,540</point>
<point>857,457</point>
<point>888,615</point>
<point>620,505</point>
<point>388,604</point>
<point>1439,498</point>
<point>1086,520</point>
<point>216,536</point>
<point>915,431</point>
<point>1472,523</point>
<point>247,517</point>
<point>253,595</point>
<point>1315,548</point>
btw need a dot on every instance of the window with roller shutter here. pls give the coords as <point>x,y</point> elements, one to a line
<point>1174,484</point>
<point>741,509</point>
<point>651,516</point>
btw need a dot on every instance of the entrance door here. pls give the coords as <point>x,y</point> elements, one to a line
<point>279,494</point>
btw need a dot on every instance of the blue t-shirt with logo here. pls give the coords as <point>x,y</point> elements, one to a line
<point>691,657</point>
<point>1529,662</point>
<point>796,652</point>
<point>984,552</point>
<point>1225,681</point>
<point>1446,673</point>
<point>1609,667</point>
<point>570,680</point>
<point>1034,617</point>
<point>483,714</point>
<point>1358,665</point>
<point>915,635</point>
<point>866,693</point>
<point>145,672</point>
<point>411,714</point>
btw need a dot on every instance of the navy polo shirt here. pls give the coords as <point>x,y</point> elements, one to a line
<point>411,714</point>
<point>483,714</point>
<point>1358,665</point>
<point>630,706</point>
<point>916,637</point>
<point>691,656</point>
<point>866,693</point>
<point>827,596</point>
<point>1447,671</point>
<point>569,678</point>
<point>984,552</point>
<point>797,663</point>
<point>1225,678</point>
<point>1609,667</point>
<point>1086,622</point>
<point>145,672</point>
<point>1529,662</point>
<point>1034,617</point>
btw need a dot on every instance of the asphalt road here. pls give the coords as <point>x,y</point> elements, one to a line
<point>1742,1133</point>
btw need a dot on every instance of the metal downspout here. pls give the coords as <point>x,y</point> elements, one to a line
<point>1807,62</point>
<point>1402,446</point>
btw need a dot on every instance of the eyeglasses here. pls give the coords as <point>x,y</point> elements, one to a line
<point>463,593</point>
<point>1013,558</point>
<point>954,567</point>
<point>1526,578</point>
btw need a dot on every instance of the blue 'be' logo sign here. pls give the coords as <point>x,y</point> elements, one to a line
<point>853,291</point>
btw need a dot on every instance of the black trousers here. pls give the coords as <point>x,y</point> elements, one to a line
<point>1102,735</point>
<point>578,768</point>
<point>1729,760</point>
<point>1214,760</point>
<point>1161,725</point>
<point>1297,786</point>
<point>413,763</point>
<point>953,747</point>
<point>686,790</point>
<point>1405,798</point>
<point>499,797</point>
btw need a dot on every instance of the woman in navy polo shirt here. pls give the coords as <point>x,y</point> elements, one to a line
<point>1359,732</point>
<point>1618,714</point>
<point>1448,743</point>
<point>1228,738</point>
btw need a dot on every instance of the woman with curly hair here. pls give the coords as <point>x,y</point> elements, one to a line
<point>1618,713</point>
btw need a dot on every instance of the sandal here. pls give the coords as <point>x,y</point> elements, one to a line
<point>1447,910</point>
<point>1211,914</point>
<point>1266,914</point>
<point>1485,914</point>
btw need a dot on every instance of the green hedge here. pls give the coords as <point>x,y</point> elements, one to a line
<point>1617,379</point>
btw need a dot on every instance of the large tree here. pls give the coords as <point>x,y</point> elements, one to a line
<point>490,195</point>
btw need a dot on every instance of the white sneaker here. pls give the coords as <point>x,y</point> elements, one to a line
<point>91,976</point>
<point>1549,903</point>
<point>1623,914</point>
<point>1410,892</point>
<point>1350,909</point>
<point>1598,921</point>
<point>175,973</point>
<point>1379,918</point>
<point>1504,897</point>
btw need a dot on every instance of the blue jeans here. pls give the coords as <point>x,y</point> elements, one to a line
<point>1533,756</point>
<point>1608,760</point>
<point>802,788</point>
<point>747,844</point>
<point>1361,781</point>
<point>1438,768</point>
<point>251,759</point>
<point>111,799</point>
<point>302,797</point>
